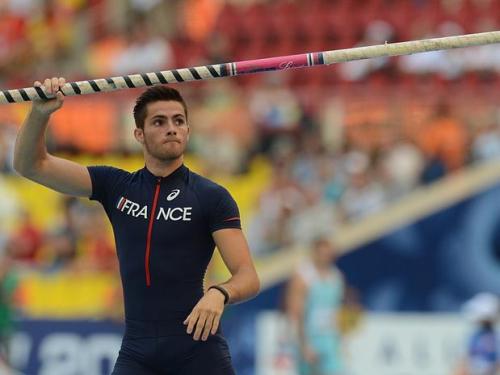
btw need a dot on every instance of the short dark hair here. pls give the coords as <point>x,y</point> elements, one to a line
<point>155,94</point>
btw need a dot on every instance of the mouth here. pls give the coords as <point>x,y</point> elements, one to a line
<point>171,141</point>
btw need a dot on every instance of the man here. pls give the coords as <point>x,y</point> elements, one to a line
<point>8,285</point>
<point>481,356</point>
<point>313,299</point>
<point>166,220</point>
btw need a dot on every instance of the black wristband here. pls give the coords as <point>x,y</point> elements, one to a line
<point>223,291</point>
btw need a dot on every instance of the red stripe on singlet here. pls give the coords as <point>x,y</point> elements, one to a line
<point>233,218</point>
<point>150,231</point>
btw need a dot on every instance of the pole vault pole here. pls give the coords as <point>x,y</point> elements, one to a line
<point>253,66</point>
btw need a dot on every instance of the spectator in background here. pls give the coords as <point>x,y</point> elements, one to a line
<point>72,210</point>
<point>97,242</point>
<point>13,36</point>
<point>7,139</point>
<point>433,170</point>
<point>315,218</point>
<point>282,198</point>
<point>8,284</point>
<point>313,298</point>
<point>27,241</point>
<point>377,32</point>
<point>200,17</point>
<point>146,52</point>
<point>103,54</point>
<point>444,138</point>
<point>225,134</point>
<point>4,162</point>
<point>364,194</point>
<point>401,163</point>
<point>482,356</point>
<point>63,250</point>
<point>486,143</point>
<point>276,111</point>
<point>332,181</point>
<point>446,63</point>
<point>9,208</point>
<point>305,167</point>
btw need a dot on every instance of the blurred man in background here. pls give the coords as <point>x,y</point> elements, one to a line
<point>482,354</point>
<point>313,300</point>
<point>8,284</point>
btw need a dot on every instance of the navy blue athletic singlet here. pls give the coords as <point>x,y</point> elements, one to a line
<point>163,233</point>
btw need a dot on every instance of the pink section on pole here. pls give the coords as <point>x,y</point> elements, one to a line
<point>273,63</point>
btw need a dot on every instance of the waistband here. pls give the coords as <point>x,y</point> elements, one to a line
<point>155,328</point>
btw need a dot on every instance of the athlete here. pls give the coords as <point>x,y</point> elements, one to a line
<point>166,221</point>
<point>313,300</point>
<point>482,354</point>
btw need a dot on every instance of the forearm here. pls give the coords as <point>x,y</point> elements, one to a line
<point>30,149</point>
<point>243,284</point>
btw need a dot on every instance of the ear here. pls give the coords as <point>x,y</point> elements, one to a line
<point>139,135</point>
<point>188,132</point>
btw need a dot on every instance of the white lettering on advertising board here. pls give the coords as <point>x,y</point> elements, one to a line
<point>383,344</point>
<point>71,354</point>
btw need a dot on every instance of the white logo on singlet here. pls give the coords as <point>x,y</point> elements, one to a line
<point>169,214</point>
<point>173,195</point>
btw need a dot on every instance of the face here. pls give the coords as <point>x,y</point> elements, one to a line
<point>324,253</point>
<point>166,132</point>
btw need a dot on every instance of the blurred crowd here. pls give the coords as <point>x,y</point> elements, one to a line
<point>316,186</point>
<point>82,229</point>
<point>342,142</point>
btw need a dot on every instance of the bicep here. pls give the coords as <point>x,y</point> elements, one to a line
<point>233,248</point>
<point>64,176</point>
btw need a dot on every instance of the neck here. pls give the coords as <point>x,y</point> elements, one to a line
<point>162,168</point>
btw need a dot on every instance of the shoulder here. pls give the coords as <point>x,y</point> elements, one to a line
<point>307,273</point>
<point>108,170</point>
<point>106,181</point>
<point>108,174</point>
<point>207,188</point>
<point>219,207</point>
<point>300,280</point>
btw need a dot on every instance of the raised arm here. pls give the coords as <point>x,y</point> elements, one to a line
<point>31,158</point>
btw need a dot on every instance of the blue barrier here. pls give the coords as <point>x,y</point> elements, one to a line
<point>79,347</point>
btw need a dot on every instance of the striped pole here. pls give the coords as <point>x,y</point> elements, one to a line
<point>253,66</point>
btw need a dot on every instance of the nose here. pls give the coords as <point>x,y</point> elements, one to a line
<point>171,130</point>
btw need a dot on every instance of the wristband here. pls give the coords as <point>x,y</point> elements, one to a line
<point>223,291</point>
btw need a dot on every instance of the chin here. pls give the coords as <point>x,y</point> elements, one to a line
<point>168,156</point>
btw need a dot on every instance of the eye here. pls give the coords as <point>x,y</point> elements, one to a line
<point>179,121</point>
<point>157,122</point>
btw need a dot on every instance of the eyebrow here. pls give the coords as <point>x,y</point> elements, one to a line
<point>164,117</point>
<point>158,116</point>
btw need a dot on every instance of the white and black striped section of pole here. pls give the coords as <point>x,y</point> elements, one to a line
<point>117,83</point>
